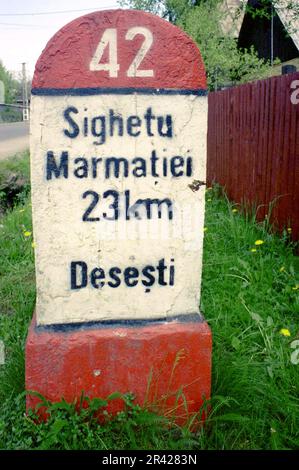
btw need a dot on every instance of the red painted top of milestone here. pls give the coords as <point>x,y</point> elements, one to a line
<point>137,50</point>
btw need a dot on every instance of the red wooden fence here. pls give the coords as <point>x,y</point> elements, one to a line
<point>253,147</point>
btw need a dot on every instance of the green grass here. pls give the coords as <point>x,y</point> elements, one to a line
<point>14,181</point>
<point>247,298</point>
<point>18,164</point>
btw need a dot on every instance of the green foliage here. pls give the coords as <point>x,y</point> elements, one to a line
<point>12,91</point>
<point>268,9</point>
<point>19,165</point>
<point>249,293</point>
<point>12,88</point>
<point>75,426</point>
<point>10,115</point>
<point>14,181</point>
<point>225,63</point>
<point>264,8</point>
<point>11,85</point>
<point>158,7</point>
<point>171,10</point>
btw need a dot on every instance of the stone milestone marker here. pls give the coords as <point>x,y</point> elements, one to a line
<point>118,156</point>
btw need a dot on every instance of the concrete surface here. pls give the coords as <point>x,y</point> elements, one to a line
<point>14,137</point>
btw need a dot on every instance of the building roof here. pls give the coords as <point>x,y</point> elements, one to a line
<point>290,23</point>
<point>234,14</point>
<point>236,11</point>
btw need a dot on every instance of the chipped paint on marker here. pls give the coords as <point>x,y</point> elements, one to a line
<point>121,334</point>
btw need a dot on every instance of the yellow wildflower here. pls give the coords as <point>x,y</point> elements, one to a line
<point>285,332</point>
<point>234,210</point>
<point>27,233</point>
<point>253,250</point>
<point>289,229</point>
<point>258,242</point>
<point>33,244</point>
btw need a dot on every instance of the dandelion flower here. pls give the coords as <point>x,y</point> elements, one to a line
<point>27,233</point>
<point>253,250</point>
<point>289,229</point>
<point>234,210</point>
<point>285,332</point>
<point>33,245</point>
<point>258,242</point>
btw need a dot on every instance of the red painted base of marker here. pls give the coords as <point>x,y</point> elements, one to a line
<point>167,366</point>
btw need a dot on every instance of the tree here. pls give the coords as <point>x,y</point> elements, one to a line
<point>11,85</point>
<point>158,7</point>
<point>202,20</point>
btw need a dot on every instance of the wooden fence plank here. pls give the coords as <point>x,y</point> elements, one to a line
<point>253,147</point>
